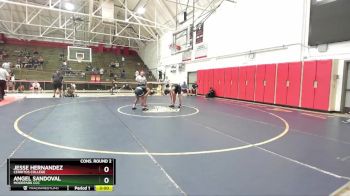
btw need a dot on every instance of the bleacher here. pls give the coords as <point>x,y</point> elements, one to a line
<point>53,58</point>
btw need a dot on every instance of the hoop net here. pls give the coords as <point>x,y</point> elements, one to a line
<point>174,48</point>
<point>79,59</point>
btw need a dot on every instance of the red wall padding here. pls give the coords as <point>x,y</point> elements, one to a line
<point>271,83</point>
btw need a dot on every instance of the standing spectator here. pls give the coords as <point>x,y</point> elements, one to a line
<point>102,71</point>
<point>160,75</point>
<point>150,75</point>
<point>184,87</point>
<point>7,66</point>
<point>11,83</point>
<point>57,80</point>
<point>114,85</point>
<point>123,61</point>
<point>3,77</point>
<point>194,88</point>
<point>123,74</point>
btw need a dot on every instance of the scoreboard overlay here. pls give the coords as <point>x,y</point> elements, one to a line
<point>85,174</point>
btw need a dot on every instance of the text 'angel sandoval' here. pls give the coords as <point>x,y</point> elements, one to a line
<point>37,178</point>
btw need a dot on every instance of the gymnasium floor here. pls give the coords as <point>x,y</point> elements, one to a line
<point>209,147</point>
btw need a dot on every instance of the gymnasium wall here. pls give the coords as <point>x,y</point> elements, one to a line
<point>275,31</point>
<point>278,29</point>
<point>237,28</point>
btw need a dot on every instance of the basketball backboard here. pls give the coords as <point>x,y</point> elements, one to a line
<point>79,54</point>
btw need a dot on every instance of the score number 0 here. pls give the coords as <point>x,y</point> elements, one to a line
<point>106,170</point>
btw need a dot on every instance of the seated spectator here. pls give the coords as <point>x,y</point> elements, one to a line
<point>30,62</point>
<point>126,87</point>
<point>88,68</point>
<point>94,71</point>
<point>24,62</point>
<point>211,93</point>
<point>101,71</point>
<point>35,87</point>
<point>18,63</point>
<point>35,63</point>
<point>41,60</point>
<point>112,65</point>
<point>3,55</point>
<point>137,73</point>
<point>82,75</point>
<point>64,65</point>
<point>70,92</point>
<point>20,88</point>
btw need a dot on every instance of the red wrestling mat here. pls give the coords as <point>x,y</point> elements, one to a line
<point>9,99</point>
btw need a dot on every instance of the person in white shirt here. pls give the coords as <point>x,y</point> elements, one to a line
<point>136,74</point>
<point>11,83</point>
<point>7,66</point>
<point>4,75</point>
<point>36,87</point>
<point>141,82</point>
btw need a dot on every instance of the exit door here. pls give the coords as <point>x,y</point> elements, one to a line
<point>347,89</point>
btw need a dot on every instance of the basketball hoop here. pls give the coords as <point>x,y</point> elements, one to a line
<point>79,59</point>
<point>174,48</point>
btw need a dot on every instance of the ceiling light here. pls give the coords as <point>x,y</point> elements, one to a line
<point>141,10</point>
<point>69,6</point>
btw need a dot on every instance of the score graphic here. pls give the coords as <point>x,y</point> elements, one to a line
<point>88,174</point>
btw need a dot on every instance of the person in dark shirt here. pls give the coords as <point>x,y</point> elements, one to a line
<point>211,93</point>
<point>57,82</point>
<point>160,76</point>
<point>174,90</point>
<point>123,74</point>
<point>114,85</point>
<point>194,89</point>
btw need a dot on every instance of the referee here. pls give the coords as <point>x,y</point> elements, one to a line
<point>4,76</point>
<point>142,82</point>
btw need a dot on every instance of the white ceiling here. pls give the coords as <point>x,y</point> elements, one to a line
<point>48,20</point>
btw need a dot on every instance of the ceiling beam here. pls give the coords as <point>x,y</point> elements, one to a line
<point>81,14</point>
